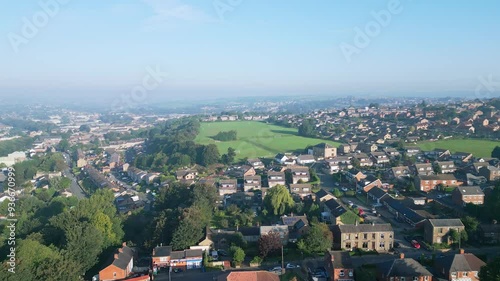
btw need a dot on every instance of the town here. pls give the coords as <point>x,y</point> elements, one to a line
<point>369,192</point>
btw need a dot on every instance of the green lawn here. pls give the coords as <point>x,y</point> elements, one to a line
<point>479,148</point>
<point>256,139</point>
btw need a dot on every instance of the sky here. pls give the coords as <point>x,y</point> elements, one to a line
<point>217,48</point>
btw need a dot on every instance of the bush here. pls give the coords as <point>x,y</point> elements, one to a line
<point>350,193</point>
<point>256,260</point>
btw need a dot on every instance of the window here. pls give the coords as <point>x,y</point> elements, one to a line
<point>415,278</point>
<point>365,245</point>
<point>440,230</point>
<point>382,235</point>
<point>365,236</point>
<point>350,274</point>
<point>348,245</point>
<point>402,279</point>
<point>373,235</point>
<point>454,275</point>
<point>114,274</point>
<point>465,273</point>
<point>341,274</point>
<point>382,244</point>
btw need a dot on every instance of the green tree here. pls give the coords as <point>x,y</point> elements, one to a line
<point>85,128</point>
<point>63,145</point>
<point>278,200</point>
<point>491,271</point>
<point>337,193</point>
<point>307,128</point>
<point>496,152</point>
<point>210,155</point>
<point>471,224</point>
<point>238,254</point>
<point>318,239</point>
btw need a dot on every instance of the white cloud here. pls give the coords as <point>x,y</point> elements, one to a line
<point>167,12</point>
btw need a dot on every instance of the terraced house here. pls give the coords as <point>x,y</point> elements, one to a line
<point>468,194</point>
<point>374,237</point>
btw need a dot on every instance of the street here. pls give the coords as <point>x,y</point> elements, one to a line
<point>75,188</point>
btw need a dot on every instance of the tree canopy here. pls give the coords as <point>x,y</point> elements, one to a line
<point>278,199</point>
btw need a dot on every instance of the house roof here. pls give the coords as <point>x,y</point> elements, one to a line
<point>438,177</point>
<point>341,259</point>
<point>446,222</point>
<point>460,262</point>
<point>377,192</point>
<point>470,190</point>
<point>305,157</point>
<point>249,276</point>
<point>292,220</point>
<point>162,251</point>
<point>249,231</point>
<point>404,210</point>
<point>124,257</point>
<point>323,145</point>
<point>352,228</point>
<point>322,193</point>
<point>402,267</point>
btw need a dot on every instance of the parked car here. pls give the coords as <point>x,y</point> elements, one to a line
<point>415,244</point>
<point>345,189</point>
<point>290,265</point>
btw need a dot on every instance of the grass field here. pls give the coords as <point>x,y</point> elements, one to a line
<point>479,148</point>
<point>256,139</point>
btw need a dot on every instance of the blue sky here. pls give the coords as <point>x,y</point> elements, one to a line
<point>254,48</point>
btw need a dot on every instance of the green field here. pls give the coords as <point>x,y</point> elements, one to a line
<point>256,139</point>
<point>479,148</point>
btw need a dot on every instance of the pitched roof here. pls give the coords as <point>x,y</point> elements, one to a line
<point>341,259</point>
<point>377,192</point>
<point>162,251</point>
<point>124,257</point>
<point>438,177</point>
<point>402,267</point>
<point>291,221</point>
<point>249,276</point>
<point>446,222</point>
<point>460,262</point>
<point>351,228</point>
<point>404,210</point>
<point>470,190</point>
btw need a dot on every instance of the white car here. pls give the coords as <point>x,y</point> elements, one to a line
<point>290,265</point>
<point>344,189</point>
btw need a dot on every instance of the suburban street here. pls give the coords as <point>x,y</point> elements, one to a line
<point>75,188</point>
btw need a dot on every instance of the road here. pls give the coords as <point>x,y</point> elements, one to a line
<point>75,188</point>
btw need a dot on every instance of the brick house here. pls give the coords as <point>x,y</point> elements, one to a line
<point>323,151</point>
<point>249,276</point>
<point>423,169</point>
<point>300,173</point>
<point>121,265</point>
<point>428,183</point>
<point>376,237</point>
<point>275,178</point>
<point>468,194</point>
<point>251,182</point>
<point>339,266</point>
<point>301,189</point>
<point>186,259</point>
<point>402,269</point>
<point>491,173</point>
<point>446,167</point>
<point>461,266</point>
<point>438,230</point>
<point>161,256</point>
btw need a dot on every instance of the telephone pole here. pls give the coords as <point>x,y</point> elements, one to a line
<point>282,260</point>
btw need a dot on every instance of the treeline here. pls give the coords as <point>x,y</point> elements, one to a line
<point>60,239</point>
<point>226,136</point>
<point>19,144</point>
<point>172,145</point>
<point>26,170</point>
<point>28,125</point>
<point>183,215</point>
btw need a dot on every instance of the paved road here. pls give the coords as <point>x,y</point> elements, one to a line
<point>75,188</point>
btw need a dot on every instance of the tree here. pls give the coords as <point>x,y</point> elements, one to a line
<point>85,128</point>
<point>238,254</point>
<point>278,200</point>
<point>318,239</point>
<point>471,224</point>
<point>63,145</point>
<point>307,128</point>
<point>210,155</point>
<point>337,193</point>
<point>229,157</point>
<point>269,243</point>
<point>491,271</point>
<point>59,183</point>
<point>496,152</point>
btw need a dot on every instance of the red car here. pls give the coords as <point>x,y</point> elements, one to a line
<point>415,244</point>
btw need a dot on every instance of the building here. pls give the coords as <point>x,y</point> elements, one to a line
<point>13,158</point>
<point>121,265</point>
<point>423,169</point>
<point>305,159</point>
<point>377,194</point>
<point>403,213</point>
<point>438,230</point>
<point>368,183</point>
<point>302,190</point>
<point>400,172</point>
<point>186,259</point>
<point>323,151</point>
<point>80,159</point>
<point>275,178</point>
<point>332,211</point>
<point>256,163</point>
<point>402,269</point>
<point>380,158</point>
<point>468,194</point>
<point>428,183</point>
<point>227,187</point>
<point>249,276</point>
<point>446,167</point>
<point>374,237</point>
<point>300,174</point>
<point>489,233</point>
<point>339,266</point>
<point>187,175</point>
<point>161,256</point>
<point>491,173</point>
<point>251,182</point>
<point>461,266</point>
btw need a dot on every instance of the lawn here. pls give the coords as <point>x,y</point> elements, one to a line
<point>256,139</point>
<point>479,148</point>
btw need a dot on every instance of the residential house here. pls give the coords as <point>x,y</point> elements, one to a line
<point>400,172</point>
<point>305,159</point>
<point>251,182</point>
<point>491,173</point>
<point>324,151</point>
<point>297,226</point>
<point>461,157</point>
<point>380,158</point>
<point>186,259</point>
<point>377,194</point>
<point>187,175</point>
<point>336,164</point>
<point>363,159</point>
<point>302,190</point>
<point>391,152</point>
<point>339,266</point>
<point>468,194</point>
<point>282,230</point>
<point>438,153</point>
<point>402,269</point>
<point>250,234</point>
<point>428,183</point>
<point>412,150</point>
<point>121,265</point>
<point>489,233</point>
<point>299,174</point>
<point>280,158</point>
<point>368,183</point>
<point>461,266</point>
<point>137,175</point>
<point>344,149</point>
<point>241,171</point>
<point>403,212</point>
<point>161,256</point>
<point>228,186</point>
<point>446,167</point>
<point>374,237</point>
<point>323,195</point>
<point>438,230</point>
<point>249,276</point>
<point>332,211</point>
<point>424,169</point>
<point>80,159</point>
<point>255,163</point>
<point>355,175</point>
<point>275,178</point>
<point>367,148</point>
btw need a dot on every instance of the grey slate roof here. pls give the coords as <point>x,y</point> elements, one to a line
<point>341,259</point>
<point>460,262</point>
<point>124,258</point>
<point>446,222</point>
<point>351,228</point>
<point>470,190</point>
<point>162,251</point>
<point>402,267</point>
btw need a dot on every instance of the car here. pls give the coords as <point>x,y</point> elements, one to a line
<point>374,211</point>
<point>276,269</point>
<point>440,196</point>
<point>344,189</point>
<point>415,244</point>
<point>350,204</point>
<point>177,270</point>
<point>290,265</point>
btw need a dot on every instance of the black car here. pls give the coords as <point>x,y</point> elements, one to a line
<point>396,245</point>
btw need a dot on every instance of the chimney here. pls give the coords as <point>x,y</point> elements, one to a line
<point>402,255</point>
<point>356,223</point>
<point>461,251</point>
<point>116,256</point>
<point>120,250</point>
<point>124,244</point>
